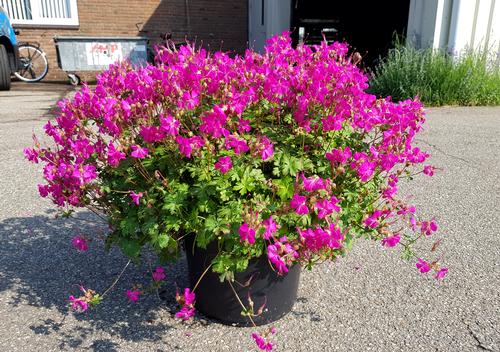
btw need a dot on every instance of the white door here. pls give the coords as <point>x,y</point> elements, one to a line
<point>265,19</point>
<point>257,24</point>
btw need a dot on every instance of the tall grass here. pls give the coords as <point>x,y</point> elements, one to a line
<point>437,78</point>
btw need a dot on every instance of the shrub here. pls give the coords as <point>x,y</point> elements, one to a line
<point>437,78</point>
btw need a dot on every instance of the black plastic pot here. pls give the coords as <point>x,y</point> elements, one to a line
<point>217,300</point>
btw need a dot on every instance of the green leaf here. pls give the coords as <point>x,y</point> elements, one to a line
<point>222,264</point>
<point>247,180</point>
<point>95,300</point>
<point>290,165</point>
<point>285,188</point>
<point>131,248</point>
<point>407,253</point>
<point>129,224</point>
<point>163,240</point>
<point>150,227</point>
<point>203,238</point>
<point>211,223</point>
<point>172,223</point>
<point>241,264</point>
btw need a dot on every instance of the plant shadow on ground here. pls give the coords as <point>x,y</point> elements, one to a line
<point>39,267</point>
<point>305,313</point>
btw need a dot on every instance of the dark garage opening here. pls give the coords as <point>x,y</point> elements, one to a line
<point>368,26</point>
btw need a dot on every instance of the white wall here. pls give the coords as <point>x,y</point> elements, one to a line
<point>454,25</point>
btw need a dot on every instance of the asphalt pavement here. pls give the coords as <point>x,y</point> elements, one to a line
<point>369,301</point>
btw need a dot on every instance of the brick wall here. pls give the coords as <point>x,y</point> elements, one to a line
<point>215,23</point>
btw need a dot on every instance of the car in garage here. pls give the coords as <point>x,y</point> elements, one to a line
<point>9,53</point>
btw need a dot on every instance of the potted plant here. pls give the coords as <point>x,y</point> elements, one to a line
<point>257,165</point>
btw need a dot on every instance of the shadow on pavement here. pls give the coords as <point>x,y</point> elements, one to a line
<point>50,86</point>
<point>39,268</point>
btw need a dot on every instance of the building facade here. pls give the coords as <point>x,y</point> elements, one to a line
<point>233,25</point>
<point>216,23</point>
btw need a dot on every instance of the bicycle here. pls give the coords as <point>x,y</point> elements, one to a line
<point>33,63</point>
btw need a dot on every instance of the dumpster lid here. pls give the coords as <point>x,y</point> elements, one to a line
<point>84,38</point>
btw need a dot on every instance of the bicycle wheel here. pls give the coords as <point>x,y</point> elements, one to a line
<point>33,63</point>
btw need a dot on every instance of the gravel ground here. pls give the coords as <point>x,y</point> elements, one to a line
<point>369,301</point>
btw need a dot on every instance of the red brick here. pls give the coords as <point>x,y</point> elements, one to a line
<point>211,22</point>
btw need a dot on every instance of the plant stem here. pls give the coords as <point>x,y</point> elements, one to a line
<point>201,277</point>
<point>117,279</point>
<point>96,213</point>
<point>151,272</point>
<point>241,303</point>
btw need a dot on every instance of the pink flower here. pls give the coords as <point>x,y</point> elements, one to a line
<point>187,145</point>
<point>372,220</point>
<point>88,173</point>
<point>78,304</point>
<point>80,243</point>
<point>185,313</point>
<point>365,170</point>
<point>189,100</point>
<point>428,227</point>
<point>267,152</point>
<point>429,170</point>
<point>298,203</point>
<point>184,146</point>
<point>196,142</point>
<point>244,126</point>
<point>387,161</point>
<point>338,155</point>
<point>133,295</point>
<point>413,223</point>
<point>282,255</point>
<point>83,173</point>
<point>151,134</point>
<point>187,301</point>
<point>275,258</point>
<point>213,123</point>
<point>326,207</point>
<point>159,274</point>
<point>391,241</point>
<point>43,190</point>
<point>314,183</point>
<point>332,123</point>
<point>189,297</point>
<point>169,125</point>
<point>422,265</point>
<point>271,228</point>
<point>136,197</point>
<point>224,164</point>
<point>266,148</point>
<point>114,156</point>
<point>390,192</point>
<point>238,145</point>
<point>262,343</point>
<point>441,273</point>
<point>139,152</point>
<point>127,110</point>
<point>31,155</point>
<point>318,238</point>
<point>247,233</point>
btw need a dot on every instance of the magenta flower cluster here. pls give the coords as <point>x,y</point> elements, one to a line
<point>186,301</point>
